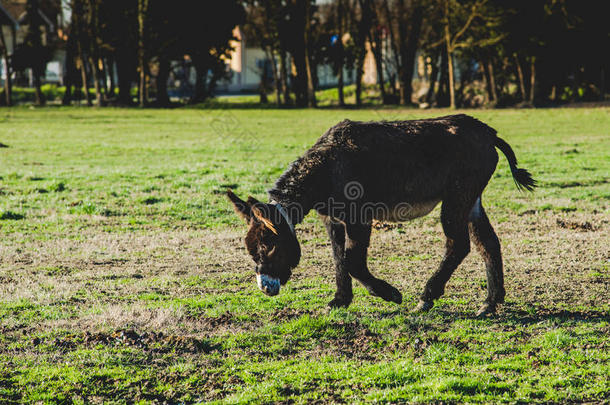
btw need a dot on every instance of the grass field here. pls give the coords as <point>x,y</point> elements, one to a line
<point>123,275</point>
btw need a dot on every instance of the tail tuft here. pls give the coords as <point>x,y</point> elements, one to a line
<point>523,178</point>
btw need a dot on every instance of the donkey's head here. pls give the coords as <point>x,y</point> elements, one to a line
<point>270,241</point>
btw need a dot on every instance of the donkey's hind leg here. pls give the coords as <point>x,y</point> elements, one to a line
<point>488,245</point>
<point>356,246</point>
<point>336,233</point>
<point>454,217</point>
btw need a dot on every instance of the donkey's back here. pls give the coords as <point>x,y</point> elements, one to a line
<point>415,162</point>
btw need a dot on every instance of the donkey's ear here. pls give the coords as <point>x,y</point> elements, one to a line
<point>260,216</point>
<point>241,207</point>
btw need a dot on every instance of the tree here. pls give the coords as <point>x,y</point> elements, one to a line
<point>7,62</point>
<point>142,60</point>
<point>339,54</point>
<point>457,20</point>
<point>404,20</point>
<point>205,38</point>
<point>359,27</point>
<point>262,18</point>
<point>297,18</point>
<point>36,49</point>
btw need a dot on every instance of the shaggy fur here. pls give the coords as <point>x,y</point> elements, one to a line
<point>401,169</point>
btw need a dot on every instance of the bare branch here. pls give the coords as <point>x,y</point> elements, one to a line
<point>471,17</point>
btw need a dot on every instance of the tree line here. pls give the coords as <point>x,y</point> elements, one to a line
<point>505,52</point>
<point>519,51</point>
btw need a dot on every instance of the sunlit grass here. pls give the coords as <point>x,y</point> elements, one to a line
<point>123,276</point>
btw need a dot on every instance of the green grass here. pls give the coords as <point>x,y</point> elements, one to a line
<point>123,277</point>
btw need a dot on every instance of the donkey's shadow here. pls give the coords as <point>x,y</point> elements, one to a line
<point>510,313</point>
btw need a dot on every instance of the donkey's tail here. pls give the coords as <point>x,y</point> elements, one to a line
<point>523,178</point>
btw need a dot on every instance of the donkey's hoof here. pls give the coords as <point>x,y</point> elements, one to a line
<point>396,296</point>
<point>339,303</point>
<point>486,309</point>
<point>385,291</point>
<point>392,294</point>
<point>423,306</point>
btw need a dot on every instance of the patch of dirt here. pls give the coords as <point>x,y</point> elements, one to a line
<point>550,259</point>
<point>354,341</point>
<point>579,226</point>
<point>156,342</point>
<point>286,314</point>
<point>386,226</point>
<point>217,324</point>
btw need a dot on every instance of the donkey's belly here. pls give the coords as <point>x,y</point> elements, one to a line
<point>406,211</point>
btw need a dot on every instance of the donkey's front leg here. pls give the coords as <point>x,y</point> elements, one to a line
<point>356,246</point>
<point>336,233</point>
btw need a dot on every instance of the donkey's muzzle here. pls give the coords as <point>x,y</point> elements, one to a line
<point>268,285</point>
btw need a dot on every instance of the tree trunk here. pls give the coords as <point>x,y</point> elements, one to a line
<point>492,80</point>
<point>276,81</point>
<point>341,51</point>
<point>200,91</point>
<point>465,78</point>
<point>276,76</point>
<point>449,51</point>
<point>125,73</point>
<point>162,76</point>
<point>377,53</point>
<point>8,99</point>
<point>532,80</point>
<point>104,78</point>
<point>311,90</point>
<point>376,42</point>
<point>300,81</point>
<point>67,98</point>
<point>284,77</point>
<point>492,97</point>
<point>39,97</point>
<point>442,95</point>
<point>361,35</point>
<point>142,11</point>
<point>408,56</point>
<point>359,72</point>
<point>433,76</point>
<point>451,79</point>
<point>393,42</point>
<point>520,77</point>
<point>112,89</point>
<point>340,86</point>
<point>85,80</point>
<point>263,86</point>
<point>299,52</point>
<point>96,81</point>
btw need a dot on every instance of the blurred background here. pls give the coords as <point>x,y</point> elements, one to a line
<point>430,53</point>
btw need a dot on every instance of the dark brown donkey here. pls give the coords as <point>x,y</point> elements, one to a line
<point>389,171</point>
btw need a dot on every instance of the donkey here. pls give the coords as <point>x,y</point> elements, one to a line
<point>390,171</point>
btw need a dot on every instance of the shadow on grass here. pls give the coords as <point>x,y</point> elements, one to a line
<point>515,313</point>
<point>507,313</point>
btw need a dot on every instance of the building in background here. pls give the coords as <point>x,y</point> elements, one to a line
<point>248,63</point>
<point>13,17</point>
